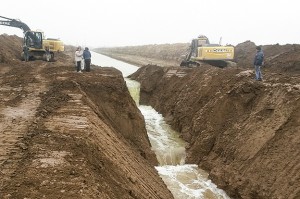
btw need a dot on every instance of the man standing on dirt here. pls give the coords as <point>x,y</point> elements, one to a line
<point>78,58</point>
<point>47,53</point>
<point>26,53</point>
<point>87,59</point>
<point>258,62</point>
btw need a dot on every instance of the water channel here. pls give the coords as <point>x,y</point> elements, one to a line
<point>185,181</point>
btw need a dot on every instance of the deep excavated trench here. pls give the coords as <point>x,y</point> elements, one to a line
<point>183,180</point>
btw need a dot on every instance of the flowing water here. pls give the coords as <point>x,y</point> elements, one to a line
<point>185,181</point>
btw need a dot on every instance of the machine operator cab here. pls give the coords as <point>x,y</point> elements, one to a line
<point>201,41</point>
<point>33,39</point>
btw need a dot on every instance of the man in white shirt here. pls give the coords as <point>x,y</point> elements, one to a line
<point>78,58</point>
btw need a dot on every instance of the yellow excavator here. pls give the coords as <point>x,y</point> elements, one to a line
<point>201,51</point>
<point>34,41</point>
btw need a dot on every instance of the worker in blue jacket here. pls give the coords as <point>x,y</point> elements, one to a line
<point>258,62</point>
<point>87,59</point>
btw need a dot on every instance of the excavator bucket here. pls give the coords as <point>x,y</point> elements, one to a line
<point>185,59</point>
<point>184,63</point>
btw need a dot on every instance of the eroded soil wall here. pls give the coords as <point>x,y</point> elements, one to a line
<point>245,133</point>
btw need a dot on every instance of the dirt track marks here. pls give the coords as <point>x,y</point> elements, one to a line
<point>15,120</point>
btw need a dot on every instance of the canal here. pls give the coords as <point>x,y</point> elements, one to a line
<point>185,181</point>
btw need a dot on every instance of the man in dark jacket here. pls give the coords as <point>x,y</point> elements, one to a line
<point>87,59</point>
<point>258,62</point>
<point>26,53</point>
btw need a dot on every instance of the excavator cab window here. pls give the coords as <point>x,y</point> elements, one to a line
<point>38,36</point>
<point>33,39</point>
<point>202,42</point>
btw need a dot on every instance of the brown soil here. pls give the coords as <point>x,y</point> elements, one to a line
<point>63,134</point>
<point>245,133</point>
<point>279,58</point>
<point>70,135</point>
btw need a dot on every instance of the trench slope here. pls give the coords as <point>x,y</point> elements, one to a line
<point>85,137</point>
<point>244,133</point>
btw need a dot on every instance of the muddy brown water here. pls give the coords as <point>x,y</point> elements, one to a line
<point>185,181</point>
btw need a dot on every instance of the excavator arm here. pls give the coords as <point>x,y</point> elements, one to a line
<point>14,23</point>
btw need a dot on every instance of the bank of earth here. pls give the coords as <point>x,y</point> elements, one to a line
<point>245,133</point>
<point>71,135</point>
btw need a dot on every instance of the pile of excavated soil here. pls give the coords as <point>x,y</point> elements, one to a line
<point>10,48</point>
<point>245,133</point>
<point>71,135</point>
<point>280,58</point>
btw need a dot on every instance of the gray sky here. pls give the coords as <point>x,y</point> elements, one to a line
<point>99,23</point>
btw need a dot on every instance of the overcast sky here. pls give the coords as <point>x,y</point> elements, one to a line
<point>105,23</point>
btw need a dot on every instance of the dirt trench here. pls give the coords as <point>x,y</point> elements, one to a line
<point>245,133</point>
<point>63,134</point>
<point>71,135</point>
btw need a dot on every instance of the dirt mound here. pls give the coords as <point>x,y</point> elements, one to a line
<point>286,61</point>
<point>244,54</point>
<point>10,48</point>
<point>280,58</point>
<point>245,133</point>
<point>71,135</point>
